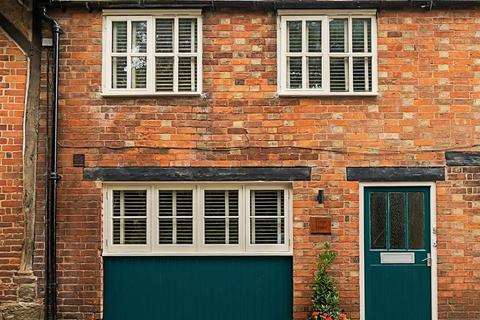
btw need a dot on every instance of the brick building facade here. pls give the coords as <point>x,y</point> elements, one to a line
<point>426,107</point>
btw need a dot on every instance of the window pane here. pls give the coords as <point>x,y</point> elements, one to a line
<point>415,220</point>
<point>139,72</point>
<point>267,221</point>
<point>184,231</point>
<point>338,35</point>
<point>119,36</point>
<point>164,35</point>
<point>187,35</point>
<point>129,217</point>
<point>139,36</point>
<point>187,71</point>
<point>362,74</point>
<point>219,206</point>
<point>184,203</point>
<point>339,74</point>
<point>164,73</point>
<point>314,36</point>
<point>362,35</point>
<point>294,66</point>
<point>397,220</point>
<point>378,220</point>
<point>294,36</point>
<point>130,231</point>
<point>175,210</point>
<point>314,72</point>
<point>119,72</point>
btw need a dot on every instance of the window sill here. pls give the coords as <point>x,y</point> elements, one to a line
<point>326,94</point>
<point>149,94</point>
<point>200,254</point>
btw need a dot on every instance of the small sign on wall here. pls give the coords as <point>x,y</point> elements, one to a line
<point>320,225</point>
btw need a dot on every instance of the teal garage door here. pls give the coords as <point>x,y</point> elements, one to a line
<point>198,288</point>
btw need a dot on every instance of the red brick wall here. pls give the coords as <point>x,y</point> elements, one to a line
<point>429,91</point>
<point>13,76</point>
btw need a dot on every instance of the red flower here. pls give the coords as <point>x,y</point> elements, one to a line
<point>329,318</point>
<point>343,316</point>
<point>325,314</point>
<point>315,314</point>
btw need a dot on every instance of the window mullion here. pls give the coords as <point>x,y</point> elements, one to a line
<point>128,54</point>
<point>174,217</point>
<point>175,40</point>
<point>304,54</point>
<point>326,53</point>
<point>151,44</point>
<point>122,217</point>
<point>350,55</point>
<point>251,218</point>
<point>227,220</point>
<point>279,219</point>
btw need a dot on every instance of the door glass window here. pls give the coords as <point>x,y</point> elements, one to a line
<point>415,220</point>
<point>378,205</point>
<point>397,220</point>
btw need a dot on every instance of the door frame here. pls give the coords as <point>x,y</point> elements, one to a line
<point>433,236</point>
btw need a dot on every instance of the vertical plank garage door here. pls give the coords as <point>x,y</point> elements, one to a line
<point>228,253</point>
<point>200,288</point>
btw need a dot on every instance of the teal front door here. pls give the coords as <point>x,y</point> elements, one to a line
<point>397,253</point>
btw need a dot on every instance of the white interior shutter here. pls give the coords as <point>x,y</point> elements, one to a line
<point>221,216</point>
<point>164,63</point>
<point>129,217</point>
<point>163,35</point>
<point>362,43</point>
<point>175,216</point>
<point>119,46</point>
<point>267,217</point>
<point>339,74</point>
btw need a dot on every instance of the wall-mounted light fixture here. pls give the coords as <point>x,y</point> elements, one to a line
<point>320,196</point>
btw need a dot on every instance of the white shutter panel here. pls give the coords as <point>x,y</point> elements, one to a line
<point>362,43</point>
<point>362,74</point>
<point>339,74</point>
<point>164,35</point>
<point>221,217</point>
<point>338,35</point>
<point>129,217</point>
<point>187,35</point>
<point>175,217</point>
<point>361,35</point>
<point>119,36</point>
<point>164,64</point>
<point>267,217</point>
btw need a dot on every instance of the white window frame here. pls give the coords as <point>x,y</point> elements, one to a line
<point>153,248</point>
<point>110,16</point>
<point>108,218</point>
<point>322,15</point>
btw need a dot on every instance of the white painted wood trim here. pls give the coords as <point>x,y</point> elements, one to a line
<point>155,12</point>
<point>433,240</point>
<point>356,12</point>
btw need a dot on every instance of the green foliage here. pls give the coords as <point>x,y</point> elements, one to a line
<point>325,298</point>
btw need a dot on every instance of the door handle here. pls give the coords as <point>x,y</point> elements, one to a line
<point>428,259</point>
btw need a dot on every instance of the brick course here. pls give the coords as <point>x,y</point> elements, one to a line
<point>429,84</point>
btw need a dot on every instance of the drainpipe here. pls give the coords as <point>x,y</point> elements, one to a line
<point>53,178</point>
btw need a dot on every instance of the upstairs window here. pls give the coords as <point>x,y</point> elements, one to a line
<point>156,54</point>
<point>324,54</point>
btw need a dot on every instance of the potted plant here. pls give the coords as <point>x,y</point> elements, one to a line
<point>325,298</point>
